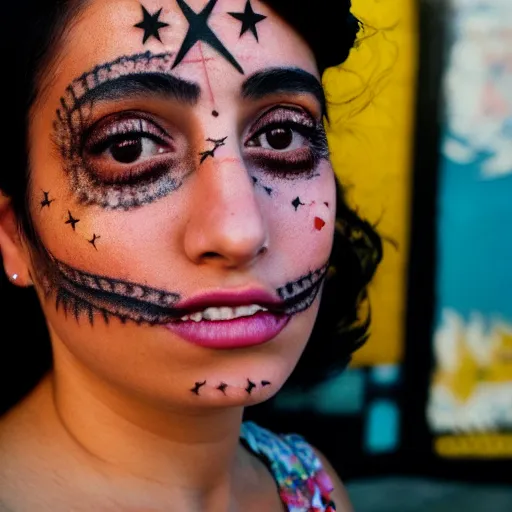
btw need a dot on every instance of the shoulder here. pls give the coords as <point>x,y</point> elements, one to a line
<point>339,494</point>
<point>295,464</point>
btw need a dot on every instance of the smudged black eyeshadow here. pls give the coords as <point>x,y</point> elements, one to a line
<point>129,76</point>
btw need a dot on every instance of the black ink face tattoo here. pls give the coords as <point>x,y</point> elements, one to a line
<point>86,294</point>
<point>90,293</point>
<point>211,152</point>
<point>197,387</point>
<point>297,202</point>
<point>72,221</point>
<point>93,241</point>
<point>265,383</point>
<point>268,190</point>
<point>151,25</point>
<point>200,31</point>
<point>215,113</point>
<point>300,295</point>
<point>250,386</point>
<point>222,387</point>
<point>46,202</point>
<point>249,19</point>
<point>120,139</point>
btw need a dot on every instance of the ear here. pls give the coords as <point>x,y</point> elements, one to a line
<point>14,254</point>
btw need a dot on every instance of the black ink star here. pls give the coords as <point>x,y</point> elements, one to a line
<point>211,152</point>
<point>72,221</point>
<point>222,387</point>
<point>250,386</point>
<point>200,31</point>
<point>151,25</point>
<point>93,241</point>
<point>254,180</point>
<point>197,387</point>
<point>268,190</point>
<point>296,203</point>
<point>46,201</point>
<point>265,383</point>
<point>249,19</point>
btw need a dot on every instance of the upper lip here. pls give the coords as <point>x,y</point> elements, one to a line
<point>233,299</point>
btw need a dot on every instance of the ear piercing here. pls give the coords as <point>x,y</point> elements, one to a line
<point>15,277</point>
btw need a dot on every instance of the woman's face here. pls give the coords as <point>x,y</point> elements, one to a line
<point>182,190</point>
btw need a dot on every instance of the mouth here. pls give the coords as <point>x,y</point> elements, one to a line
<point>83,293</point>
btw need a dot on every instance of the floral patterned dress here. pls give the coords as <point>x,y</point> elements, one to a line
<point>303,484</point>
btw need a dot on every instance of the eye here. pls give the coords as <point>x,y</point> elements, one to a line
<point>130,150</point>
<point>123,149</point>
<point>279,138</point>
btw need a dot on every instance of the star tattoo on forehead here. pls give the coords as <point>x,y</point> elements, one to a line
<point>210,153</point>
<point>200,31</point>
<point>72,221</point>
<point>249,19</point>
<point>151,25</point>
<point>46,202</point>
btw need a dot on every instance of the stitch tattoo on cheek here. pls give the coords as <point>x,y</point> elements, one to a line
<point>72,221</point>
<point>46,202</point>
<point>125,160</point>
<point>249,19</point>
<point>296,203</point>
<point>200,31</point>
<point>268,190</point>
<point>250,387</point>
<point>151,25</point>
<point>93,241</point>
<point>211,152</point>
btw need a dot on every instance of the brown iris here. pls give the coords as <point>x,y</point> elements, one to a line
<point>280,138</point>
<point>127,151</point>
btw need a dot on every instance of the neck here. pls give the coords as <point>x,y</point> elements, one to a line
<point>123,435</point>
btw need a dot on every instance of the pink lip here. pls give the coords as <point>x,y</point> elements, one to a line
<point>241,332</point>
<point>238,333</point>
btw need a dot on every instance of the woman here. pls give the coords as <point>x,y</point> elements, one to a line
<point>173,205</point>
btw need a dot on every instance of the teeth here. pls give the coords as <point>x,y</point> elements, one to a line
<point>224,313</point>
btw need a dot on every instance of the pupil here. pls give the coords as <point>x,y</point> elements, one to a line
<point>280,138</point>
<point>127,151</point>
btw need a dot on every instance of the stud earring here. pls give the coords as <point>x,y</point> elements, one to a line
<point>15,277</point>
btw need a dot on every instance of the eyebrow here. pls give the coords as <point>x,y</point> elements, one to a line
<point>284,80</point>
<point>143,84</point>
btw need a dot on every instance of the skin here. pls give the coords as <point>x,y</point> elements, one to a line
<point>119,399</point>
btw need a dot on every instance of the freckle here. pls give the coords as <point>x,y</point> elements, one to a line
<point>319,224</point>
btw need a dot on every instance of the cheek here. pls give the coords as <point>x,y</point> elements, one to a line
<point>304,221</point>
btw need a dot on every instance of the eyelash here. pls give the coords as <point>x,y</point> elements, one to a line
<point>292,163</point>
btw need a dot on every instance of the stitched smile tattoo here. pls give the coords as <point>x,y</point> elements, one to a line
<point>86,294</point>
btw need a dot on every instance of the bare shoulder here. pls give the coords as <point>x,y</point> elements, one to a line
<point>339,494</point>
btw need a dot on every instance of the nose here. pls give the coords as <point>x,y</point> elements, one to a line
<point>226,226</point>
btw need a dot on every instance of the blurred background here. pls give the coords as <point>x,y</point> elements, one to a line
<point>421,135</point>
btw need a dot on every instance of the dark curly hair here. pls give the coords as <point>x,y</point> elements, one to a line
<point>29,42</point>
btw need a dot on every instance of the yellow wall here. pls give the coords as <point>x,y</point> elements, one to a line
<point>371,136</point>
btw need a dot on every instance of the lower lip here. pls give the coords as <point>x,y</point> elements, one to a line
<point>238,333</point>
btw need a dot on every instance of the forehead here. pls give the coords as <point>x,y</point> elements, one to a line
<point>106,31</point>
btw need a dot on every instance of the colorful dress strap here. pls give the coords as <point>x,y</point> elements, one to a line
<point>303,484</point>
